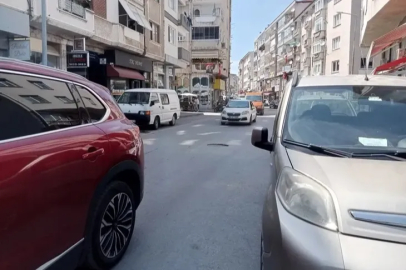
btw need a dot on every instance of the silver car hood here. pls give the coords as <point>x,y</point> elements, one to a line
<point>374,190</point>
<point>236,110</point>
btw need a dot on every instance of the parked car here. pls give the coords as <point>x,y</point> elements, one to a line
<point>151,106</point>
<point>336,198</point>
<point>274,104</point>
<point>239,111</point>
<point>72,171</point>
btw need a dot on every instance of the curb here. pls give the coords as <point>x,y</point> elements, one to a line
<point>189,114</point>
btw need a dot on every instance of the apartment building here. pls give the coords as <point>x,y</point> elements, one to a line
<point>246,72</point>
<point>176,29</point>
<point>112,42</point>
<point>276,49</point>
<point>210,49</point>
<point>383,29</point>
<point>234,84</point>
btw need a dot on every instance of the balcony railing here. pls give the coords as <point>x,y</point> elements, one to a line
<point>72,7</point>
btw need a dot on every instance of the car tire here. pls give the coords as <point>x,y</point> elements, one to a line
<point>222,123</point>
<point>156,123</point>
<point>250,122</point>
<point>261,254</point>
<point>117,198</point>
<point>173,122</point>
<point>255,119</point>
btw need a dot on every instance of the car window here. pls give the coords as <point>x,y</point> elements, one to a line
<point>154,97</point>
<point>30,105</point>
<point>165,99</point>
<point>134,98</point>
<point>93,105</point>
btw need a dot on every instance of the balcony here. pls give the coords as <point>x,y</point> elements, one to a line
<point>184,21</point>
<point>307,62</point>
<point>381,17</point>
<point>320,34</point>
<point>66,15</point>
<point>318,56</point>
<point>206,20</point>
<point>201,45</point>
<point>118,35</point>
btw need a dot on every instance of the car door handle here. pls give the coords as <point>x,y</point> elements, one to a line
<point>93,153</point>
<point>163,107</point>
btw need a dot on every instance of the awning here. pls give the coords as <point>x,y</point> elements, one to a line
<point>135,15</point>
<point>388,39</point>
<point>394,65</point>
<point>124,73</point>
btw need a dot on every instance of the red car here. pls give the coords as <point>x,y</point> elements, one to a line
<point>71,171</point>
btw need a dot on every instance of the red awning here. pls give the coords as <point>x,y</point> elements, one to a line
<point>394,65</point>
<point>119,72</point>
<point>388,39</point>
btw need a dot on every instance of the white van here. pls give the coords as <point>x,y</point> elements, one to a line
<point>147,106</point>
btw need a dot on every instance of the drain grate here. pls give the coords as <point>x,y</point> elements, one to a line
<point>217,144</point>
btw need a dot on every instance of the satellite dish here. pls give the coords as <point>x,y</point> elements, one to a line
<point>309,19</point>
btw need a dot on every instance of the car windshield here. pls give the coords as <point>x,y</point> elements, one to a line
<point>254,98</point>
<point>356,118</point>
<point>238,104</point>
<point>134,98</point>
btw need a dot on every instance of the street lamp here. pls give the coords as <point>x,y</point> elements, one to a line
<point>44,32</point>
<point>353,44</point>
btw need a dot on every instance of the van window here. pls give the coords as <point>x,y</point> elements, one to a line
<point>154,98</point>
<point>94,107</point>
<point>34,109</point>
<point>165,99</point>
<point>134,98</point>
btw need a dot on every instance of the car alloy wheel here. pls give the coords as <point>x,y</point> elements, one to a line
<point>117,221</point>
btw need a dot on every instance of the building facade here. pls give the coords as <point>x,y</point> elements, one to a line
<point>115,43</point>
<point>234,84</point>
<point>246,72</point>
<point>210,49</point>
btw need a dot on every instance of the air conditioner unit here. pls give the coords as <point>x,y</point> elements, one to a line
<point>181,38</point>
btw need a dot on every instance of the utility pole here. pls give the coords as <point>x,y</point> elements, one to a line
<point>44,33</point>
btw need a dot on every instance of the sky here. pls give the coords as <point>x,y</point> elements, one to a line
<point>248,19</point>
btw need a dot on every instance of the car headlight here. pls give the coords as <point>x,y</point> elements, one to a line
<point>145,112</point>
<point>306,199</point>
<point>224,112</point>
<point>244,112</point>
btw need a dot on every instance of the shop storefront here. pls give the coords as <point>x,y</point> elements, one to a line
<point>14,34</point>
<point>126,71</point>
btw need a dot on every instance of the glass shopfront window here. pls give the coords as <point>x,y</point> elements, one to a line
<point>53,61</point>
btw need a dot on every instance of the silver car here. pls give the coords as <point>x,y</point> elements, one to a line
<point>337,195</point>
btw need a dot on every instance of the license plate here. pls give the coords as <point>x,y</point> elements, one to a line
<point>234,117</point>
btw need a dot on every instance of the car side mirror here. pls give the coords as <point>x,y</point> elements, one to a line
<point>152,103</point>
<point>259,138</point>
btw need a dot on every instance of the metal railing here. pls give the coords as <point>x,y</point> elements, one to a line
<point>72,7</point>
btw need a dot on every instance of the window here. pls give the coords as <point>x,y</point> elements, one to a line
<point>171,4</point>
<point>319,4</point>
<point>154,97</point>
<point>8,84</point>
<point>318,25</point>
<point>41,85</point>
<point>317,67</point>
<point>33,109</point>
<point>34,99</point>
<point>65,100</point>
<point>317,47</point>
<point>171,35</point>
<point>337,20</point>
<point>93,105</point>
<point>199,33</point>
<point>363,63</point>
<point>336,43</point>
<point>154,32</point>
<point>164,99</point>
<point>335,66</point>
<point>197,12</point>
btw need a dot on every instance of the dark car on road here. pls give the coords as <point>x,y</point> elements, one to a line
<point>72,171</point>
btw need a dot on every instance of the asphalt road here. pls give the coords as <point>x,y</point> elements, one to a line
<point>202,202</point>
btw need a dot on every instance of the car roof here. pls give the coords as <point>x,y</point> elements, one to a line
<point>152,90</point>
<point>344,80</point>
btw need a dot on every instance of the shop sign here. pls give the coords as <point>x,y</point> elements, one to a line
<point>77,59</point>
<point>20,49</point>
<point>132,61</point>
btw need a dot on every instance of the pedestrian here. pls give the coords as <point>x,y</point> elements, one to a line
<point>197,103</point>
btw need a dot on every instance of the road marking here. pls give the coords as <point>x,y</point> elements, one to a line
<point>211,113</point>
<point>180,132</point>
<point>234,142</point>
<point>188,142</point>
<point>266,116</point>
<point>207,133</point>
<point>198,125</point>
<point>149,141</point>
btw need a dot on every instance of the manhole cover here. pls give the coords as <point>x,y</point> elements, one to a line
<point>217,144</point>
